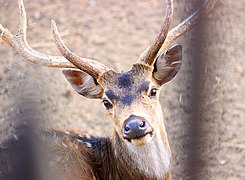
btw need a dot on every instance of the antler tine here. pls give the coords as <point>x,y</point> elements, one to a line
<point>150,53</point>
<point>19,43</point>
<point>187,24</point>
<point>91,67</point>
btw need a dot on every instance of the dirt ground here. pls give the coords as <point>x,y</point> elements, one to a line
<point>115,33</point>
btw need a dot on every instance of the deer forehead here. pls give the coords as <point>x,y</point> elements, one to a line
<point>126,87</point>
<point>127,94</point>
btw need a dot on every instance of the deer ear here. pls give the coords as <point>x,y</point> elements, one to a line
<point>83,83</point>
<point>167,65</point>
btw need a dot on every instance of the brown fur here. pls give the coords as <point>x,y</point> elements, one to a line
<point>72,156</point>
<point>117,158</point>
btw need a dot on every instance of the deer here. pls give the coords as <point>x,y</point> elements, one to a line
<point>139,148</point>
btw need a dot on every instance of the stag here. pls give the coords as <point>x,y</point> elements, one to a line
<point>139,148</point>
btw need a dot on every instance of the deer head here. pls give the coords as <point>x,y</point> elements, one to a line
<point>131,98</point>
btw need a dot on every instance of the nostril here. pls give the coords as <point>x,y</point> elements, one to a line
<point>142,124</point>
<point>126,129</point>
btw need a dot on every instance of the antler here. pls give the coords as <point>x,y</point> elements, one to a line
<point>89,66</point>
<point>190,22</point>
<point>150,53</point>
<point>19,43</point>
<point>185,26</point>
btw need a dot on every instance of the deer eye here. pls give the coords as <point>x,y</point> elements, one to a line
<point>107,104</point>
<point>153,92</point>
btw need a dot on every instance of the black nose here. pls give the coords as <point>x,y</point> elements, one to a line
<point>135,127</point>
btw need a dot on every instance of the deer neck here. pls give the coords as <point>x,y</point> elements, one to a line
<point>150,161</point>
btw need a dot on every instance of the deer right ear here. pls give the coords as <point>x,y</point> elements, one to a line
<point>167,65</point>
<point>83,84</point>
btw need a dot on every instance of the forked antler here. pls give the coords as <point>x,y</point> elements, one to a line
<point>185,26</point>
<point>19,43</point>
<point>92,67</point>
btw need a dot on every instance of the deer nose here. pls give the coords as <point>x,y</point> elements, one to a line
<point>136,127</point>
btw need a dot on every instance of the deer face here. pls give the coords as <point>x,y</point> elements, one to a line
<point>131,98</point>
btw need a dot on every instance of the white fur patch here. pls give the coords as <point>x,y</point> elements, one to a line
<point>142,141</point>
<point>88,88</point>
<point>152,158</point>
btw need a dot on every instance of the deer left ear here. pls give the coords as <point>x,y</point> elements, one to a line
<point>167,65</point>
<point>83,83</point>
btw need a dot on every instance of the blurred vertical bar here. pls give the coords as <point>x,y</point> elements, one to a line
<point>196,162</point>
<point>196,118</point>
<point>18,155</point>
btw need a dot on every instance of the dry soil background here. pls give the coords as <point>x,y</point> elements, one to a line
<point>115,33</point>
